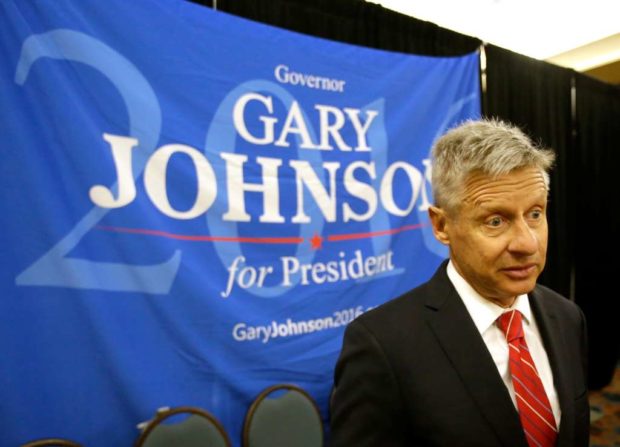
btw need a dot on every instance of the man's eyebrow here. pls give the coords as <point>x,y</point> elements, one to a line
<point>491,206</point>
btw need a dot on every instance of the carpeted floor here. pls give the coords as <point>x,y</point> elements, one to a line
<point>605,415</point>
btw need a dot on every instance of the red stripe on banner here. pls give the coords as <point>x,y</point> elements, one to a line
<point>346,237</point>
<point>249,240</point>
<point>258,240</point>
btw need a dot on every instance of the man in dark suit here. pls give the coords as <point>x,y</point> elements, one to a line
<point>480,355</point>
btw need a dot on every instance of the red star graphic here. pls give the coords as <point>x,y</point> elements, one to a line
<point>316,241</point>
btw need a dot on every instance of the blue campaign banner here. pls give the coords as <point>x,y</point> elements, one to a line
<point>195,205</point>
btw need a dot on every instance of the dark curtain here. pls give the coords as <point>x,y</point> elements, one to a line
<point>355,22</point>
<point>597,220</point>
<point>536,96</point>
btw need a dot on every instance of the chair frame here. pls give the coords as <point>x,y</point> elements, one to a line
<point>263,394</point>
<point>47,442</point>
<point>153,423</point>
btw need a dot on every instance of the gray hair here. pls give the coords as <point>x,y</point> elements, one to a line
<point>490,147</point>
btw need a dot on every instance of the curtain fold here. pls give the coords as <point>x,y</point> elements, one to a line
<point>598,220</point>
<point>353,21</point>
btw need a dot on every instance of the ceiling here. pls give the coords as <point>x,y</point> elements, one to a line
<point>577,34</point>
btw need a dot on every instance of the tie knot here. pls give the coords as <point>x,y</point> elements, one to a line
<point>511,325</point>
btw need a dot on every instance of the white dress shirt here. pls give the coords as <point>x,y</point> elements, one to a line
<point>485,313</point>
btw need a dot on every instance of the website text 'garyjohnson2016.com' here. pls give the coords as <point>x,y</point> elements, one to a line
<point>289,328</point>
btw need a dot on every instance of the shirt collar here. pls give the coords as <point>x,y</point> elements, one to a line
<point>482,311</point>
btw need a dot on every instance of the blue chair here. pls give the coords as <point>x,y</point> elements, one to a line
<point>183,427</point>
<point>283,416</point>
<point>51,442</point>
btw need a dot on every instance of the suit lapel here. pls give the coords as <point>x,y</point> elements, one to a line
<point>551,332</point>
<point>456,332</point>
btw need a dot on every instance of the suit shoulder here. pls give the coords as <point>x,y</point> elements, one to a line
<point>558,302</point>
<point>394,310</point>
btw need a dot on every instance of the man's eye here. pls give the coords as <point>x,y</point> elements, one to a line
<point>494,222</point>
<point>536,214</point>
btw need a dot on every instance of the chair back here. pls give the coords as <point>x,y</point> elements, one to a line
<point>183,427</point>
<point>51,442</point>
<point>283,415</point>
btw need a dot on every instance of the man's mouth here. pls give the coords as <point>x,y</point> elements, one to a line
<point>520,271</point>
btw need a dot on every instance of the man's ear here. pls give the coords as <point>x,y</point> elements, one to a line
<point>439,220</point>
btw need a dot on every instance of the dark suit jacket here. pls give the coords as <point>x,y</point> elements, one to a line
<point>416,372</point>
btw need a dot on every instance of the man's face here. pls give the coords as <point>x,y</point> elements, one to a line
<point>498,236</point>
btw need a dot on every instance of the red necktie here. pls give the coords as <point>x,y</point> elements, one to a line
<point>534,408</point>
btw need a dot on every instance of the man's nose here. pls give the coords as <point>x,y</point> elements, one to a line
<point>524,239</point>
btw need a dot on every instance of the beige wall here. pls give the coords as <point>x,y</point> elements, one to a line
<point>600,59</point>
